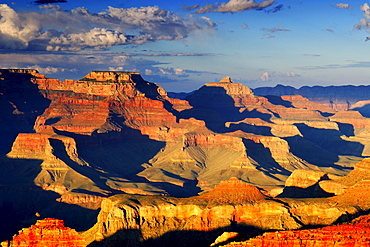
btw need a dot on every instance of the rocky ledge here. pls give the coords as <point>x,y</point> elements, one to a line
<point>355,233</point>
<point>46,232</point>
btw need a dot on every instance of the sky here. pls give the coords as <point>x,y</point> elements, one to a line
<point>181,45</point>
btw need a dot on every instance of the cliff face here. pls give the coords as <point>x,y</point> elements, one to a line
<point>20,104</point>
<point>113,132</point>
<point>46,232</point>
<point>230,205</point>
<point>118,126</point>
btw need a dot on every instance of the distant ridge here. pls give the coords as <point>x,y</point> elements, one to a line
<point>337,97</point>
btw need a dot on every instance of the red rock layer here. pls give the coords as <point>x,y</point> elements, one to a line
<point>234,191</point>
<point>47,232</point>
<point>104,101</point>
<point>356,233</point>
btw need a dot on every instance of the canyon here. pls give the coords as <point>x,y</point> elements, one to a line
<point>115,157</point>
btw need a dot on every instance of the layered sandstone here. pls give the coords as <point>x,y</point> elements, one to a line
<point>46,232</point>
<point>168,214</point>
<point>60,166</point>
<point>305,178</point>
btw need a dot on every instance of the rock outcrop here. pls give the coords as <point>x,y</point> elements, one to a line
<point>355,233</point>
<point>46,232</point>
<point>234,191</point>
<point>230,205</point>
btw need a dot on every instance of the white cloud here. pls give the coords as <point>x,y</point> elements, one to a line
<point>49,69</point>
<point>343,6</point>
<point>265,76</point>
<point>268,76</point>
<point>292,74</point>
<point>16,31</point>
<point>242,5</point>
<point>95,38</point>
<point>55,29</point>
<point>232,6</point>
<point>364,23</point>
<point>365,7</point>
<point>166,71</point>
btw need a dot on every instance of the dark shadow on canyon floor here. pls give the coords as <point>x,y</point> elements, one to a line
<point>20,200</point>
<point>215,107</point>
<point>178,238</point>
<point>20,103</point>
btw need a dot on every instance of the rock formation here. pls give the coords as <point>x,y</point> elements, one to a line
<point>234,191</point>
<point>46,232</point>
<point>203,213</point>
<point>198,141</point>
<point>355,233</point>
<point>87,142</point>
<point>230,206</point>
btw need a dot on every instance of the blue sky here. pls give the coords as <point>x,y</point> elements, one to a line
<point>181,47</point>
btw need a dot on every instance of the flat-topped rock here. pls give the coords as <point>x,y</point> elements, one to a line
<point>112,76</point>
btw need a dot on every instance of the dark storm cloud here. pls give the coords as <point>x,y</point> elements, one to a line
<point>41,2</point>
<point>275,29</point>
<point>275,9</point>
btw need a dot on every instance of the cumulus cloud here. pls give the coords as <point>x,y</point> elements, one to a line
<point>167,71</point>
<point>268,76</point>
<point>364,23</point>
<point>229,7</point>
<point>49,69</point>
<point>79,29</point>
<point>343,6</point>
<point>265,76</point>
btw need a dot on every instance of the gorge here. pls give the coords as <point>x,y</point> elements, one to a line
<point>117,159</point>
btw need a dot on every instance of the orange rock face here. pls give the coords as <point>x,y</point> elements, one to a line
<point>47,232</point>
<point>356,233</point>
<point>234,191</point>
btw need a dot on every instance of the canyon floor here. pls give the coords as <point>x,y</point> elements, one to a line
<point>120,161</point>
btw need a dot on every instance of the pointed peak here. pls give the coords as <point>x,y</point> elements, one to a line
<point>226,79</point>
<point>234,190</point>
